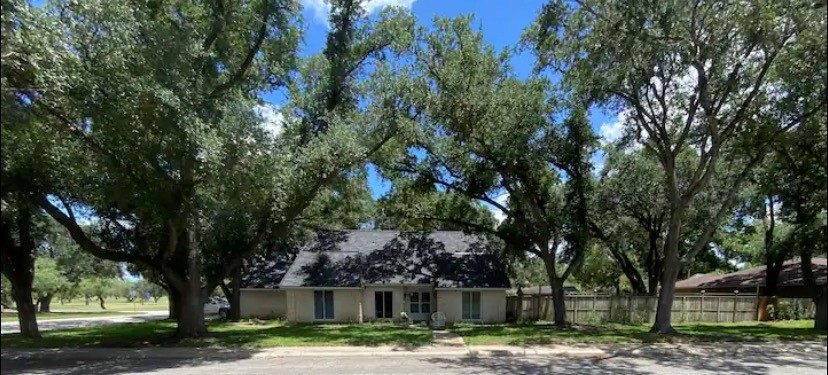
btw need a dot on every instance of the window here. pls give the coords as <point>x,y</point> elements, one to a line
<point>471,305</point>
<point>383,305</point>
<point>415,302</point>
<point>323,305</point>
<point>420,303</point>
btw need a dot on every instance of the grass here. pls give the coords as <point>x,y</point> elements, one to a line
<point>111,304</point>
<point>224,334</point>
<point>538,334</point>
<point>12,317</point>
<point>79,309</point>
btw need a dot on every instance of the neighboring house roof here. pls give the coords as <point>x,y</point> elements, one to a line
<point>544,290</point>
<point>355,258</point>
<point>790,275</point>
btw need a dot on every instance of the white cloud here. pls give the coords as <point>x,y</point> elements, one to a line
<point>375,5</point>
<point>611,132</point>
<point>321,8</point>
<point>498,214</point>
<point>273,121</point>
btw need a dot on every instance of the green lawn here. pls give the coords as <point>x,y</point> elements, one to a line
<point>530,334</point>
<point>12,317</point>
<point>270,334</point>
<point>111,304</point>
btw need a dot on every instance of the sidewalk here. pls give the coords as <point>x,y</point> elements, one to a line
<point>333,351</point>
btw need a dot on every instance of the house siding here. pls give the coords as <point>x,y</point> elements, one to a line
<point>263,303</point>
<point>368,301</point>
<point>299,304</point>
<point>346,305</point>
<point>492,305</point>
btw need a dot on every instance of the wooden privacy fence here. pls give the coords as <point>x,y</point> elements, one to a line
<point>641,309</point>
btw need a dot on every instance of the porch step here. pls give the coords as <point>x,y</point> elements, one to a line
<point>446,338</point>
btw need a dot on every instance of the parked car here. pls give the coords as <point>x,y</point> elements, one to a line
<point>217,305</point>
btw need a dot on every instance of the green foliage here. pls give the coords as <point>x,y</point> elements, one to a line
<point>100,287</point>
<point>48,280</point>
<point>150,111</point>
<point>482,135</point>
<point>145,287</point>
<point>599,272</point>
<point>784,310</point>
<point>718,81</point>
<point>530,271</point>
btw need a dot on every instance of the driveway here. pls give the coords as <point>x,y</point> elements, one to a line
<point>795,358</point>
<point>46,325</point>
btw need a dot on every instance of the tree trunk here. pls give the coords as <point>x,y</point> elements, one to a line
<point>821,314</point>
<point>556,284</point>
<point>653,265</point>
<point>191,315</point>
<point>87,299</point>
<point>22,293</point>
<point>772,269</point>
<point>45,303</point>
<point>663,320</point>
<point>173,301</point>
<point>559,304</point>
<point>18,267</point>
<point>818,293</point>
<point>671,261</point>
<point>233,294</point>
<point>101,300</point>
<point>190,297</point>
<point>629,270</point>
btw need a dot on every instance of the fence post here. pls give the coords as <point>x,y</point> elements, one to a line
<point>575,311</point>
<point>735,304</point>
<point>594,313</point>
<point>537,307</point>
<point>610,300</point>
<point>629,308</point>
<point>718,308</point>
<point>683,308</point>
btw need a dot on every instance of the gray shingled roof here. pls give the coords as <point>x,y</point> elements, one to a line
<point>789,275</point>
<point>354,258</point>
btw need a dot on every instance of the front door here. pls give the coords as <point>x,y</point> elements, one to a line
<point>419,306</point>
<point>383,305</point>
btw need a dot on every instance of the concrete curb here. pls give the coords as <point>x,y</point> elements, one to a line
<point>237,353</point>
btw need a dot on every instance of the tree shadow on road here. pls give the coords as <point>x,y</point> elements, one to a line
<point>733,358</point>
<point>53,361</point>
<point>532,366</point>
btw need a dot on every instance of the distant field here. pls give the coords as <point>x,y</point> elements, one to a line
<point>111,305</point>
<point>12,317</point>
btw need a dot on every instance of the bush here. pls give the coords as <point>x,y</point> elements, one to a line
<point>785,310</point>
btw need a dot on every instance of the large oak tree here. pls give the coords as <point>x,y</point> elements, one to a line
<point>722,77</point>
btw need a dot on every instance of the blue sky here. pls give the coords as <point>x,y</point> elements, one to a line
<point>502,23</point>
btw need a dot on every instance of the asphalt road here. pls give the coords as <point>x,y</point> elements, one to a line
<point>45,325</point>
<point>800,362</point>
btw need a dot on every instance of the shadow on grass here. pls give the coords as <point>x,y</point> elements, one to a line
<point>318,335</point>
<point>540,334</point>
<point>162,333</point>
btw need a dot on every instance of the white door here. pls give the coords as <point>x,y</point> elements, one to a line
<point>419,306</point>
